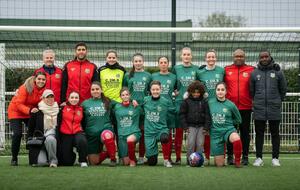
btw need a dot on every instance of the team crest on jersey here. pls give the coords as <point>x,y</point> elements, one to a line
<point>230,73</point>
<point>217,75</point>
<point>258,77</point>
<point>118,75</point>
<point>57,76</point>
<point>73,69</point>
<point>169,81</point>
<point>130,112</point>
<point>68,109</point>
<point>272,75</point>
<point>193,73</point>
<point>245,74</point>
<point>78,113</point>
<point>159,108</point>
<point>224,110</point>
<point>144,78</point>
<point>87,71</point>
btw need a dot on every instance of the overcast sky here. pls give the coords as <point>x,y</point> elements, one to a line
<point>257,12</point>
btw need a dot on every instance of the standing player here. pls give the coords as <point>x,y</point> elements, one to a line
<point>78,75</point>
<point>168,84</point>
<point>111,76</point>
<point>225,116</point>
<point>53,74</point>
<point>156,112</point>
<point>98,128</point>
<point>237,79</point>
<point>210,74</point>
<point>185,75</point>
<point>21,106</point>
<point>138,81</point>
<point>268,88</point>
<point>129,133</point>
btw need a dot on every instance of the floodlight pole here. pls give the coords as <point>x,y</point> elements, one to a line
<point>173,35</point>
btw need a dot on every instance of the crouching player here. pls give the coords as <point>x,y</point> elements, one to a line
<point>224,116</point>
<point>156,110</point>
<point>127,117</point>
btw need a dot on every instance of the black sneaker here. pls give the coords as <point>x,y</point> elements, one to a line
<point>230,160</point>
<point>177,162</point>
<point>245,161</point>
<point>112,163</point>
<point>14,163</point>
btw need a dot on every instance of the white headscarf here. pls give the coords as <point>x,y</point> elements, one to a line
<point>50,115</point>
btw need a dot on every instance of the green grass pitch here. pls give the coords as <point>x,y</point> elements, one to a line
<point>155,178</point>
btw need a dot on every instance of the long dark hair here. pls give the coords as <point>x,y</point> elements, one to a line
<point>105,100</point>
<point>131,72</point>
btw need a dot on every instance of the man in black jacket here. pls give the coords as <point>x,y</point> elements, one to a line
<point>268,89</point>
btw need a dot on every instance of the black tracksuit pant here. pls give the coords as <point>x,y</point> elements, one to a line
<point>260,126</point>
<point>66,156</point>
<point>16,127</point>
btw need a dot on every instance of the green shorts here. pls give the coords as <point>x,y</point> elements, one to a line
<point>122,144</point>
<point>95,144</point>
<point>218,140</point>
<point>151,143</point>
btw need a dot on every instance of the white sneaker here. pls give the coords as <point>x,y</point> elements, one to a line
<point>275,162</point>
<point>140,161</point>
<point>206,162</point>
<point>167,164</point>
<point>258,162</point>
<point>83,164</point>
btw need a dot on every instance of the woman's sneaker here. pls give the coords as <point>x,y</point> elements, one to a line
<point>83,164</point>
<point>167,164</point>
<point>258,162</point>
<point>53,165</point>
<point>275,162</point>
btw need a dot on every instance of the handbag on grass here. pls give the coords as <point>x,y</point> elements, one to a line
<point>35,141</point>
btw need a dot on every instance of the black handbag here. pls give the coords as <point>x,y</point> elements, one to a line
<point>35,141</point>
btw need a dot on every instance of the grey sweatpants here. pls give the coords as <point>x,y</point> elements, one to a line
<point>195,140</point>
<point>50,145</point>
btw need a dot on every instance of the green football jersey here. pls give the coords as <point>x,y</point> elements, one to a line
<point>168,83</point>
<point>127,119</point>
<point>184,77</point>
<point>156,113</point>
<point>224,115</point>
<point>138,85</point>
<point>210,78</point>
<point>96,118</point>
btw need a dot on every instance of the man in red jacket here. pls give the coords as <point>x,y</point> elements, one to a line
<point>78,75</point>
<point>53,73</point>
<point>237,79</point>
